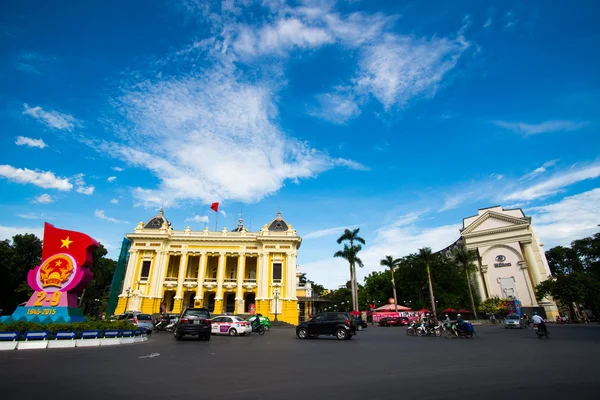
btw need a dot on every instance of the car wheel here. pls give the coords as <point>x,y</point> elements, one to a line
<point>242,334</point>
<point>341,334</point>
<point>178,337</point>
<point>207,337</point>
<point>232,332</point>
<point>359,328</point>
<point>302,333</point>
<point>267,328</point>
<point>410,332</point>
<point>506,327</point>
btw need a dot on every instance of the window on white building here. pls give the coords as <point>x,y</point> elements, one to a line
<point>276,272</point>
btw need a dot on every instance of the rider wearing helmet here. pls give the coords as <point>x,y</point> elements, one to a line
<point>459,324</point>
<point>539,321</point>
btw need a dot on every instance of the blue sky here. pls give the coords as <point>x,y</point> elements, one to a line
<point>400,118</point>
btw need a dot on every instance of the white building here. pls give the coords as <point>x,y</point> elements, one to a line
<point>511,259</point>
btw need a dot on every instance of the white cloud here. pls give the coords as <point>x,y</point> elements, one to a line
<point>197,218</point>
<point>114,201</point>
<point>556,183</point>
<point>181,128</point>
<point>32,216</point>
<point>453,200</point>
<point>7,232</point>
<point>223,213</point>
<point>543,127</point>
<point>398,239</point>
<point>487,23</point>
<point>118,169</point>
<point>100,214</point>
<point>25,141</point>
<point>43,179</point>
<point>539,170</point>
<point>80,185</point>
<point>397,69</point>
<point>335,107</point>
<point>52,119</point>
<point>327,232</point>
<point>571,218</point>
<point>279,38</point>
<point>43,199</point>
<point>111,178</point>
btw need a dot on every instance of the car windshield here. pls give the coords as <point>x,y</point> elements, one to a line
<point>144,317</point>
<point>197,313</point>
<point>512,316</point>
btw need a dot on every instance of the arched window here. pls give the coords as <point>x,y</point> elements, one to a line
<point>214,273</point>
<point>232,273</point>
<point>252,273</point>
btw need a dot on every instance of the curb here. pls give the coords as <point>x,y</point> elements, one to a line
<point>72,343</point>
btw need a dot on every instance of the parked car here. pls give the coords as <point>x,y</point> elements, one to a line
<point>193,321</point>
<point>360,324</point>
<point>394,321</point>
<point>230,325</point>
<point>339,324</point>
<point>513,321</point>
<point>263,320</point>
<point>141,321</point>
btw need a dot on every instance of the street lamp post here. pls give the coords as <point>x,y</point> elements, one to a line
<point>276,296</point>
<point>128,291</point>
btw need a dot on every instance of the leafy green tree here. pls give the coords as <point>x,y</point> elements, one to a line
<point>94,295</point>
<point>350,254</point>
<point>392,263</point>
<point>563,261</point>
<point>465,260</point>
<point>493,306</point>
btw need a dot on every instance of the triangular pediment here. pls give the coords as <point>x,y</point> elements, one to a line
<point>491,221</point>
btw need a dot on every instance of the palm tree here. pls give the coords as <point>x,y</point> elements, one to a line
<point>352,236</point>
<point>426,256</point>
<point>392,263</point>
<point>464,258</point>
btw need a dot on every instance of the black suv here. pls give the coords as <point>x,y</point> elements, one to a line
<point>339,324</point>
<point>193,321</point>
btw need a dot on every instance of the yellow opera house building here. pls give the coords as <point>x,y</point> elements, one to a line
<point>236,271</point>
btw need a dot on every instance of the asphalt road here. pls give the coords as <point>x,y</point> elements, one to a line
<point>378,363</point>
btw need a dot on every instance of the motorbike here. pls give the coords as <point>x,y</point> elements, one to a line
<point>260,329</point>
<point>540,331</point>
<point>424,330</point>
<point>161,325</point>
<point>453,330</point>
<point>411,330</point>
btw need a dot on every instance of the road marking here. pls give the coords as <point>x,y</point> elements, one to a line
<point>151,355</point>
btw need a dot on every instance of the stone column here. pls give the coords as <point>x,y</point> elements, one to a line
<point>239,299</point>
<point>486,280</point>
<point>180,279</point>
<point>201,275</point>
<point>156,280</point>
<point>530,257</point>
<point>134,257</point>
<point>290,284</point>
<point>483,293</point>
<point>523,266</point>
<point>220,277</point>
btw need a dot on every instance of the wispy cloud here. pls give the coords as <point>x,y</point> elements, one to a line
<point>328,232</point>
<point>538,171</point>
<point>52,119</point>
<point>114,201</point>
<point>26,61</point>
<point>111,179</point>
<point>571,218</point>
<point>25,141</point>
<point>197,218</point>
<point>118,169</point>
<point>33,216</point>
<point>510,20</point>
<point>336,107</point>
<point>8,232</point>
<point>556,183</point>
<point>543,127</point>
<point>488,23</point>
<point>43,179</point>
<point>43,199</point>
<point>80,186</point>
<point>100,214</point>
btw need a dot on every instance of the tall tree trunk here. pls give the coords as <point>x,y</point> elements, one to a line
<point>354,289</point>
<point>352,283</point>
<point>395,297</point>
<point>431,295</point>
<point>471,294</point>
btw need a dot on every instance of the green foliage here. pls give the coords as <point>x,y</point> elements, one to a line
<point>493,306</point>
<point>94,296</point>
<point>23,326</point>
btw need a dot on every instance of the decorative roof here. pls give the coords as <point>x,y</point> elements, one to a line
<point>278,224</point>
<point>240,226</point>
<point>157,221</point>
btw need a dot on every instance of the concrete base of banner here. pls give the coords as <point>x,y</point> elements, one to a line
<point>137,339</point>
<point>61,344</point>
<point>144,338</point>
<point>33,344</point>
<point>110,341</point>
<point>127,340</point>
<point>8,345</point>
<point>88,342</point>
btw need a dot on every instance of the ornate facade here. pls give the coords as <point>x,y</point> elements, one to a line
<point>511,259</point>
<point>237,271</point>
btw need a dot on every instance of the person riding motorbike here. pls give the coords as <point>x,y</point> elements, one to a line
<point>256,323</point>
<point>458,326</point>
<point>539,321</point>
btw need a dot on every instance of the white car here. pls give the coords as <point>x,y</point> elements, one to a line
<point>230,325</point>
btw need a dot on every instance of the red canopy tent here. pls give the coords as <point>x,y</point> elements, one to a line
<point>464,311</point>
<point>355,313</point>
<point>423,310</point>
<point>449,311</point>
<point>392,307</point>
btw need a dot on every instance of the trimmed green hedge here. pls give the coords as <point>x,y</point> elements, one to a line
<point>22,326</point>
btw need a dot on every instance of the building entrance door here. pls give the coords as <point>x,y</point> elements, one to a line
<point>209,302</point>
<point>230,303</point>
<point>249,299</point>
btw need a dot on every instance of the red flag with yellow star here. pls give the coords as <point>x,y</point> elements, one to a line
<point>78,245</point>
